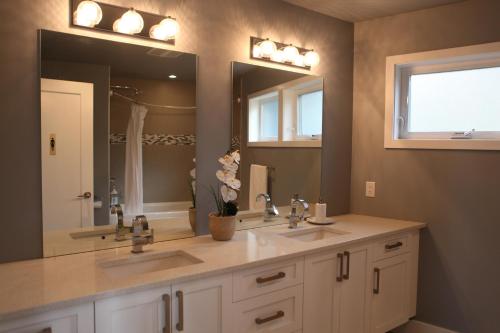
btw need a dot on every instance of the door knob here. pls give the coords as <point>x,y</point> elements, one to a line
<point>86,195</point>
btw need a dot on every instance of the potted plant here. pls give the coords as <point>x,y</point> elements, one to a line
<point>222,223</point>
<point>192,209</point>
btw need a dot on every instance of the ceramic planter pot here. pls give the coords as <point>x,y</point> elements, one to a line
<point>192,218</point>
<point>221,227</point>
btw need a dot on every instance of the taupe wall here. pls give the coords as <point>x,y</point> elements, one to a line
<point>99,76</point>
<point>218,31</point>
<point>456,192</point>
<point>165,168</point>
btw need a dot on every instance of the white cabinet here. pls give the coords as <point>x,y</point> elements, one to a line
<point>335,291</point>
<point>77,319</point>
<point>390,304</point>
<point>202,305</point>
<point>145,312</point>
<point>197,306</point>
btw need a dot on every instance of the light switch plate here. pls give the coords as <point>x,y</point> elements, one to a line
<point>370,189</point>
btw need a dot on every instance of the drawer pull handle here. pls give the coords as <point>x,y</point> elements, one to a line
<point>347,254</point>
<point>260,321</point>
<point>166,300</point>
<point>393,246</point>
<point>340,257</point>
<point>278,276</point>
<point>376,289</point>
<point>180,325</point>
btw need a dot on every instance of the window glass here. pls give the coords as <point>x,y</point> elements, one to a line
<point>269,118</point>
<point>455,101</point>
<point>310,110</point>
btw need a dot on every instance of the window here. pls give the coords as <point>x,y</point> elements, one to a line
<point>448,99</point>
<point>263,117</point>
<point>288,115</point>
<point>309,114</point>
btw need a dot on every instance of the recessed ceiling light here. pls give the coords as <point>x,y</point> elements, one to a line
<point>172,76</point>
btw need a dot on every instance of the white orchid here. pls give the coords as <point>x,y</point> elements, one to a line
<point>227,190</point>
<point>192,173</point>
<point>228,194</point>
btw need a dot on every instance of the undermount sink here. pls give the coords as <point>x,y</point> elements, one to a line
<point>148,263</point>
<point>314,234</point>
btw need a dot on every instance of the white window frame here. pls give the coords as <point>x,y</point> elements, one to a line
<point>287,112</point>
<point>400,68</point>
<point>298,93</point>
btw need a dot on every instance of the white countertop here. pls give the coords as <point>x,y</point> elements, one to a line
<point>32,286</point>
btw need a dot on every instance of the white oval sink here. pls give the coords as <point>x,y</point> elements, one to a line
<point>314,234</point>
<point>147,263</point>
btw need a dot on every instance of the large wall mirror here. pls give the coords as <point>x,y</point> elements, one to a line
<point>118,142</point>
<point>277,126</point>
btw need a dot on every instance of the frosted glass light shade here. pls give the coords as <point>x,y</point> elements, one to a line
<point>87,14</point>
<point>170,27</point>
<point>299,60</point>
<point>278,56</point>
<point>267,48</point>
<point>130,23</point>
<point>256,51</point>
<point>290,53</point>
<point>311,58</point>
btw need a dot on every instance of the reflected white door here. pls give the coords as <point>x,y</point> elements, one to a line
<point>67,154</point>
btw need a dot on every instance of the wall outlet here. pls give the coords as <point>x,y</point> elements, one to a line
<point>370,189</point>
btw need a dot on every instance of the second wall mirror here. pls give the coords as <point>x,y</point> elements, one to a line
<point>277,125</point>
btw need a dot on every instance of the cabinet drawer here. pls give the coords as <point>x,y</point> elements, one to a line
<point>265,279</point>
<point>391,246</point>
<point>277,312</point>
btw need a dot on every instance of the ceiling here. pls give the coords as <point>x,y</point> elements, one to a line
<point>128,60</point>
<point>360,10</point>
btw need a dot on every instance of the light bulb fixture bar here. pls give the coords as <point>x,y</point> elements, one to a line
<point>284,54</point>
<point>95,15</point>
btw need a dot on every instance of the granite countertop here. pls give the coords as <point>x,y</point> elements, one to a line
<point>33,286</point>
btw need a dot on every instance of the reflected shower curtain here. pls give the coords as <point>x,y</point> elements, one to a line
<point>133,161</point>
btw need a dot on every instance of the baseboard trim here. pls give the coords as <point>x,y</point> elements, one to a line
<point>415,326</point>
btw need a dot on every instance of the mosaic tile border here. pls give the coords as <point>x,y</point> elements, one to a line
<point>156,139</point>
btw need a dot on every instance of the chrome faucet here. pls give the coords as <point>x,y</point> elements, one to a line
<point>270,211</point>
<point>294,218</point>
<point>139,239</point>
<point>120,230</point>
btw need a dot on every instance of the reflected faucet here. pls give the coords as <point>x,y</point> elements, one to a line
<point>270,211</point>
<point>120,231</point>
<point>294,218</point>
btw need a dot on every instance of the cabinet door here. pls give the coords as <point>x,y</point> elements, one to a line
<point>354,292</point>
<point>202,305</point>
<point>391,293</point>
<point>78,319</point>
<point>144,312</point>
<point>321,290</point>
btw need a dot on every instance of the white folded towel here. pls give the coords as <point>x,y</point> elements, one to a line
<point>258,185</point>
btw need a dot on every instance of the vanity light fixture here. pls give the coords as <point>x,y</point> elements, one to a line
<point>172,76</point>
<point>286,54</point>
<point>96,15</point>
<point>87,14</point>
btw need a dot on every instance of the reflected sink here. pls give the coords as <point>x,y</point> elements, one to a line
<point>314,234</point>
<point>148,263</point>
<point>97,232</point>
